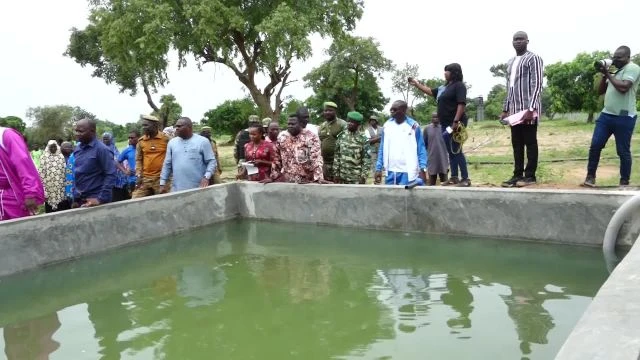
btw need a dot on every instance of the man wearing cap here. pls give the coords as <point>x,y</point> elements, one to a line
<point>150,154</point>
<point>402,153</point>
<point>242,138</point>
<point>265,124</point>
<point>328,133</point>
<point>206,132</point>
<point>352,160</point>
<point>374,134</point>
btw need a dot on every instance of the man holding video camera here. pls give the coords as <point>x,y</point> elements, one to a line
<point>618,118</point>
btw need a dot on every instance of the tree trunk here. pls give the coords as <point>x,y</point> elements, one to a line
<point>590,118</point>
<point>263,102</point>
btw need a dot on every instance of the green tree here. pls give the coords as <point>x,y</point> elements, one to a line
<point>51,122</point>
<point>290,108</point>
<point>427,104</point>
<point>350,75</point>
<point>231,116</point>
<point>572,84</point>
<point>13,122</point>
<point>169,112</point>
<point>499,71</point>
<point>127,42</point>
<point>495,100</point>
<point>400,83</point>
<point>370,98</point>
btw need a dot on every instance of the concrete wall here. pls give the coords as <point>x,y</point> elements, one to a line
<point>569,217</point>
<point>47,239</point>
<point>610,328</point>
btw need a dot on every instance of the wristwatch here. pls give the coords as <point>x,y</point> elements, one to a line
<point>424,170</point>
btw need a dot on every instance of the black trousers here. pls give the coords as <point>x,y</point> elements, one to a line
<point>120,194</point>
<point>525,137</point>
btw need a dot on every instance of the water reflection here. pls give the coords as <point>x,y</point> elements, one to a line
<point>270,291</point>
<point>31,339</point>
<point>533,322</point>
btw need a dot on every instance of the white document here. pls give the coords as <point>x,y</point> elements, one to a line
<point>251,168</point>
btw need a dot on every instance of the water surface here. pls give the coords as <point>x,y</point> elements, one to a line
<point>255,290</point>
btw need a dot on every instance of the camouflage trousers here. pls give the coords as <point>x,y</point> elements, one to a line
<point>149,186</point>
<point>327,171</point>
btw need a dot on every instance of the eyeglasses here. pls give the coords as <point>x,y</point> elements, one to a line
<point>131,137</point>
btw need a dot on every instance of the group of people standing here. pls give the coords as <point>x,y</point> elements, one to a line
<point>94,172</point>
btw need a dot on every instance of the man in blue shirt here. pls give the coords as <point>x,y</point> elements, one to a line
<point>95,169</point>
<point>129,154</point>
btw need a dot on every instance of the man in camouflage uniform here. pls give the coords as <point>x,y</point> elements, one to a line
<point>328,133</point>
<point>215,178</point>
<point>352,161</point>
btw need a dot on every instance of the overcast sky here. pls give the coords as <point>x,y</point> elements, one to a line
<point>476,34</point>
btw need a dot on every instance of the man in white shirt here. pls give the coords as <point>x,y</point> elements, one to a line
<point>402,153</point>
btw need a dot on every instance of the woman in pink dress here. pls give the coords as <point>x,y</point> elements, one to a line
<point>259,153</point>
<point>21,191</point>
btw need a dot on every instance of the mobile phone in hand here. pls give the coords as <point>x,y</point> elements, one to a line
<point>449,129</point>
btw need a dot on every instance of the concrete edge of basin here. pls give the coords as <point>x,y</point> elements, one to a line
<point>576,217</point>
<point>608,329</point>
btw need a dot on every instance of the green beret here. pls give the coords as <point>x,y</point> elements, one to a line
<point>330,104</point>
<point>355,116</point>
<point>206,128</point>
<point>150,118</point>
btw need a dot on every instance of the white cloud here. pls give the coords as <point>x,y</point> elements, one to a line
<point>34,34</point>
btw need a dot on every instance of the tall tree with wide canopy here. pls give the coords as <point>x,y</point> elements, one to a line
<point>350,76</point>
<point>128,42</point>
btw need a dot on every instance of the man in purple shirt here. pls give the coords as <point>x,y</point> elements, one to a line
<point>95,169</point>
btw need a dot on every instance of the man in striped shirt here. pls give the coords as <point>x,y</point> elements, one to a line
<point>524,90</point>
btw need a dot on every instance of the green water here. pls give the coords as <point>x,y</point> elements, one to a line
<point>254,290</point>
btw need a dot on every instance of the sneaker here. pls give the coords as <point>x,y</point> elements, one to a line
<point>464,183</point>
<point>452,181</point>
<point>526,182</point>
<point>624,182</point>
<point>590,181</point>
<point>511,182</point>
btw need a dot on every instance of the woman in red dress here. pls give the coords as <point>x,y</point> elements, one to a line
<point>259,153</point>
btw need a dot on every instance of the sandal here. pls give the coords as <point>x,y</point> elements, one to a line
<point>452,181</point>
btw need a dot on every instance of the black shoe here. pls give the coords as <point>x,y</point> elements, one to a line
<point>511,182</point>
<point>590,181</point>
<point>624,182</point>
<point>526,182</point>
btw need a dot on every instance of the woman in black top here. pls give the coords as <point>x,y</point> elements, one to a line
<point>451,99</point>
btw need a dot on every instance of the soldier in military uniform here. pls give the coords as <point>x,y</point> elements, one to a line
<point>328,133</point>
<point>352,161</point>
<point>215,178</point>
<point>150,153</point>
